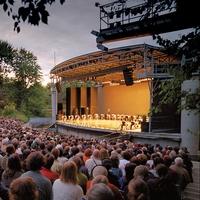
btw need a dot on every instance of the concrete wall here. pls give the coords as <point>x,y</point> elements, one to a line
<point>39,121</point>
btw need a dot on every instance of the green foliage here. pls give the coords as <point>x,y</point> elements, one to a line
<point>11,112</point>
<point>22,95</point>
<point>30,11</point>
<point>39,101</point>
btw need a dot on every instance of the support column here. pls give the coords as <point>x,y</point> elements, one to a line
<point>53,104</point>
<point>190,121</point>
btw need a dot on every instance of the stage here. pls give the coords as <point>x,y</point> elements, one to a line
<point>113,129</point>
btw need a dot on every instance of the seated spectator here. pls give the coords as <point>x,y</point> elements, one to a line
<point>56,167</point>
<point>82,178</point>
<point>25,154</point>
<point>138,189</point>
<point>61,158</point>
<point>3,191</point>
<point>12,171</point>
<point>112,178</point>
<point>10,149</point>
<point>87,154</point>
<point>141,171</point>
<point>46,168</point>
<point>126,156</point>
<point>162,188</point>
<point>93,161</point>
<point>35,161</point>
<point>66,187</point>
<point>101,170</point>
<point>124,181</point>
<point>23,188</point>
<point>183,175</point>
<point>115,166</point>
<point>100,191</point>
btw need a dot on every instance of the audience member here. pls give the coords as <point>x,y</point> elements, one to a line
<point>66,187</point>
<point>46,168</point>
<point>12,171</point>
<point>23,188</point>
<point>35,161</point>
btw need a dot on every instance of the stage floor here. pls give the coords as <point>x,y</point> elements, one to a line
<point>115,125</point>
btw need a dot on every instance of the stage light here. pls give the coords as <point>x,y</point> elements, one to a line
<point>101,47</point>
<point>97,4</point>
<point>96,33</point>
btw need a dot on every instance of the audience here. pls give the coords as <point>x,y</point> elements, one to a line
<point>114,167</point>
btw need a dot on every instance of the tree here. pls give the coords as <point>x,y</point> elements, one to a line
<point>39,101</point>
<point>186,47</point>
<point>31,11</point>
<point>27,72</point>
<point>7,53</point>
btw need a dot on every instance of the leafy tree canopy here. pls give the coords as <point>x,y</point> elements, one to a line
<point>31,11</point>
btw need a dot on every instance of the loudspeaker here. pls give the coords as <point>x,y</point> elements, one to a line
<point>128,76</point>
<point>58,87</point>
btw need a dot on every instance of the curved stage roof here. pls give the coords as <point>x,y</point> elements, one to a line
<point>104,67</point>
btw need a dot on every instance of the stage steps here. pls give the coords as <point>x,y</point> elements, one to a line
<point>192,191</point>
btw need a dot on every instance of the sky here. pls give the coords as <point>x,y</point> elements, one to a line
<point>67,35</point>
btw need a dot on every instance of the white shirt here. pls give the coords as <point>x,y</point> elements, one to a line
<point>122,164</point>
<point>66,191</point>
<point>91,163</point>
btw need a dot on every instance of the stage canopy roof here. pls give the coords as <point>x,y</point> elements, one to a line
<point>106,67</point>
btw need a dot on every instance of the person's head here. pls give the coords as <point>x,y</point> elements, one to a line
<point>55,152</point>
<point>126,155</point>
<point>161,170</point>
<point>10,149</point>
<point>104,153</point>
<point>77,161</point>
<point>23,188</point>
<point>142,172</point>
<point>115,161</point>
<point>25,154</point>
<point>106,162</point>
<point>74,150</point>
<point>100,179</point>
<point>142,158</point>
<point>69,173</point>
<point>35,161</point>
<point>14,162</point>
<point>178,161</point>
<point>129,169</point>
<point>138,189</point>
<point>100,191</point>
<point>96,153</point>
<point>49,160</point>
<point>88,152</point>
<point>99,170</point>
<point>157,160</point>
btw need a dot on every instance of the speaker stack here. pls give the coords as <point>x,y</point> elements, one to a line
<point>128,76</point>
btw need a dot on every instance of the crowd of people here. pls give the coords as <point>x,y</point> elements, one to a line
<point>39,165</point>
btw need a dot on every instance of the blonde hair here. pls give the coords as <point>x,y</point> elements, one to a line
<point>99,179</point>
<point>100,191</point>
<point>69,173</point>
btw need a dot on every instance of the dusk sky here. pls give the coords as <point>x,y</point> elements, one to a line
<point>67,35</point>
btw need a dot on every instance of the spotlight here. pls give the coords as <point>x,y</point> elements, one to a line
<point>96,33</point>
<point>101,47</point>
<point>97,4</point>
